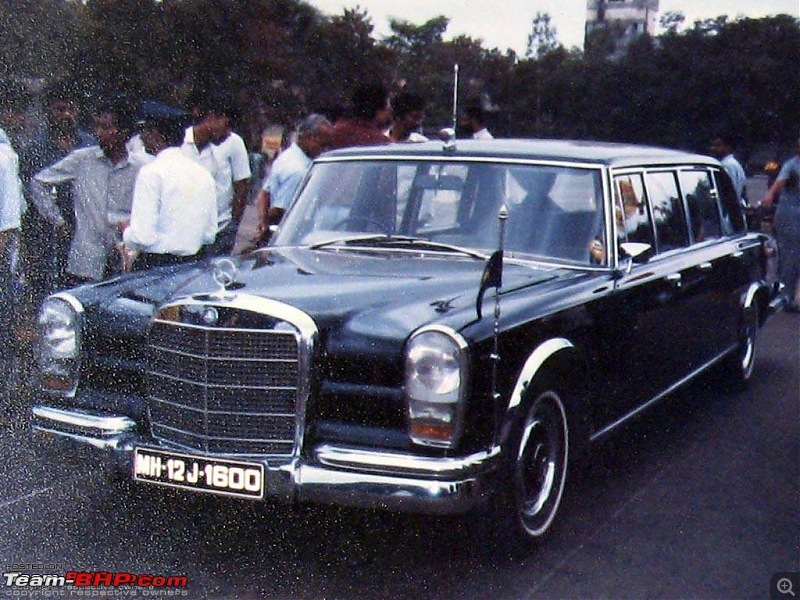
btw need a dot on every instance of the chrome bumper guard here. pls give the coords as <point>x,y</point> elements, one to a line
<point>346,476</point>
<point>778,301</point>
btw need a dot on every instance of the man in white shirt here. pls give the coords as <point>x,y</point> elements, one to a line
<point>289,169</point>
<point>174,211</point>
<point>212,143</point>
<point>722,150</point>
<point>11,204</point>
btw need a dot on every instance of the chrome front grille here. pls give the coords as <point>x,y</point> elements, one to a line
<point>228,386</point>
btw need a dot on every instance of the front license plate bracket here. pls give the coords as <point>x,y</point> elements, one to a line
<point>197,473</point>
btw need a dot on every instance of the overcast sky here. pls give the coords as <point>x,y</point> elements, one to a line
<point>506,23</point>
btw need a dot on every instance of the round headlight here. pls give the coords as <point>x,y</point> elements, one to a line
<point>435,381</point>
<point>433,367</point>
<point>58,327</point>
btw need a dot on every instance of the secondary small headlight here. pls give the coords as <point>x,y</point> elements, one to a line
<point>435,380</point>
<point>59,343</point>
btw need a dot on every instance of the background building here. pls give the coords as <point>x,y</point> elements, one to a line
<point>623,20</point>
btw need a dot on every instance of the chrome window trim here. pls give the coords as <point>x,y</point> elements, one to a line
<point>676,169</point>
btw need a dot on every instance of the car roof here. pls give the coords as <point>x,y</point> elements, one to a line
<point>572,151</point>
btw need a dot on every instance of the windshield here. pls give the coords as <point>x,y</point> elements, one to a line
<point>554,212</point>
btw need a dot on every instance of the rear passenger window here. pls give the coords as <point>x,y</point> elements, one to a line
<point>630,207</point>
<point>702,203</point>
<point>671,231</point>
<point>733,220</point>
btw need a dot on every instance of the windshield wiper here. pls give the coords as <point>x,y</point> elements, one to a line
<point>356,239</point>
<point>401,241</point>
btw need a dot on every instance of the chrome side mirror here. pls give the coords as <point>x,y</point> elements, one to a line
<point>638,253</point>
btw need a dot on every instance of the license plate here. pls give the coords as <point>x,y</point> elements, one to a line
<point>199,473</point>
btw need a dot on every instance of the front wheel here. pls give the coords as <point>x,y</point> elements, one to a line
<point>536,473</point>
<point>540,468</point>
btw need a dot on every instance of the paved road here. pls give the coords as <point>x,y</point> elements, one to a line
<point>698,499</point>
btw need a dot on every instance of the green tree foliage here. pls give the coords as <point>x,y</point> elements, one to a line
<point>424,62</point>
<point>543,37</point>
<point>288,58</point>
<point>39,38</point>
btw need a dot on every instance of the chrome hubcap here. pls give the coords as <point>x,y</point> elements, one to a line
<point>541,464</point>
<point>749,345</point>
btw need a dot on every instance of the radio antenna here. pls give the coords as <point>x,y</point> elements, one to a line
<point>455,96</point>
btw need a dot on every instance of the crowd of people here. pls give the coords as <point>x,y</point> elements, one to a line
<point>149,188</point>
<point>157,187</point>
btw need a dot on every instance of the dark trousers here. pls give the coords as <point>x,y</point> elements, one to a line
<point>225,241</point>
<point>147,260</point>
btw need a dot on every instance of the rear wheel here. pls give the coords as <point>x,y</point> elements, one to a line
<point>740,364</point>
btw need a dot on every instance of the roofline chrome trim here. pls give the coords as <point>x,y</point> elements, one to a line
<point>591,165</point>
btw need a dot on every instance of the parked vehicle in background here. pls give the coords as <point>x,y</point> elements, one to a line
<point>435,328</point>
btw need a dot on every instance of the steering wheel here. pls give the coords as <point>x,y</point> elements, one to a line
<point>372,224</point>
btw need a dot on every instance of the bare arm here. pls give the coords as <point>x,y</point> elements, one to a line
<point>240,190</point>
<point>772,193</point>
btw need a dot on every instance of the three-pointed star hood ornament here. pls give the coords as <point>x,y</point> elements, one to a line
<point>224,271</point>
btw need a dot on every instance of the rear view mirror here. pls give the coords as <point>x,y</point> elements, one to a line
<point>440,182</point>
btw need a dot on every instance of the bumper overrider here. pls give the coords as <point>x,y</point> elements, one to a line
<point>331,474</point>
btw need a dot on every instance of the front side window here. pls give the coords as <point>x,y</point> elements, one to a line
<point>701,200</point>
<point>665,200</point>
<point>554,212</point>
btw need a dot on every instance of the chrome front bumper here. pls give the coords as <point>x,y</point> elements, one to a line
<point>346,476</point>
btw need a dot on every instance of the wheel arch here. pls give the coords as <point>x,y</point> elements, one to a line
<point>559,360</point>
<point>758,295</point>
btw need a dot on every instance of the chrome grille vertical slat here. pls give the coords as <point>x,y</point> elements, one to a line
<point>228,390</point>
<point>205,391</point>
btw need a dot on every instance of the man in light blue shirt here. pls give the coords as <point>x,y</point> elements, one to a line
<point>722,150</point>
<point>102,179</point>
<point>289,169</point>
<point>787,226</point>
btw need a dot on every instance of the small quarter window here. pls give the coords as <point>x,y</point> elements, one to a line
<point>731,210</point>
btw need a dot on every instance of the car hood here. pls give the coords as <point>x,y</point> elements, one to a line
<point>388,293</point>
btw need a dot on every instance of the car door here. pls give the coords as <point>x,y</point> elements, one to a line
<point>713,280</point>
<point>646,312</point>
